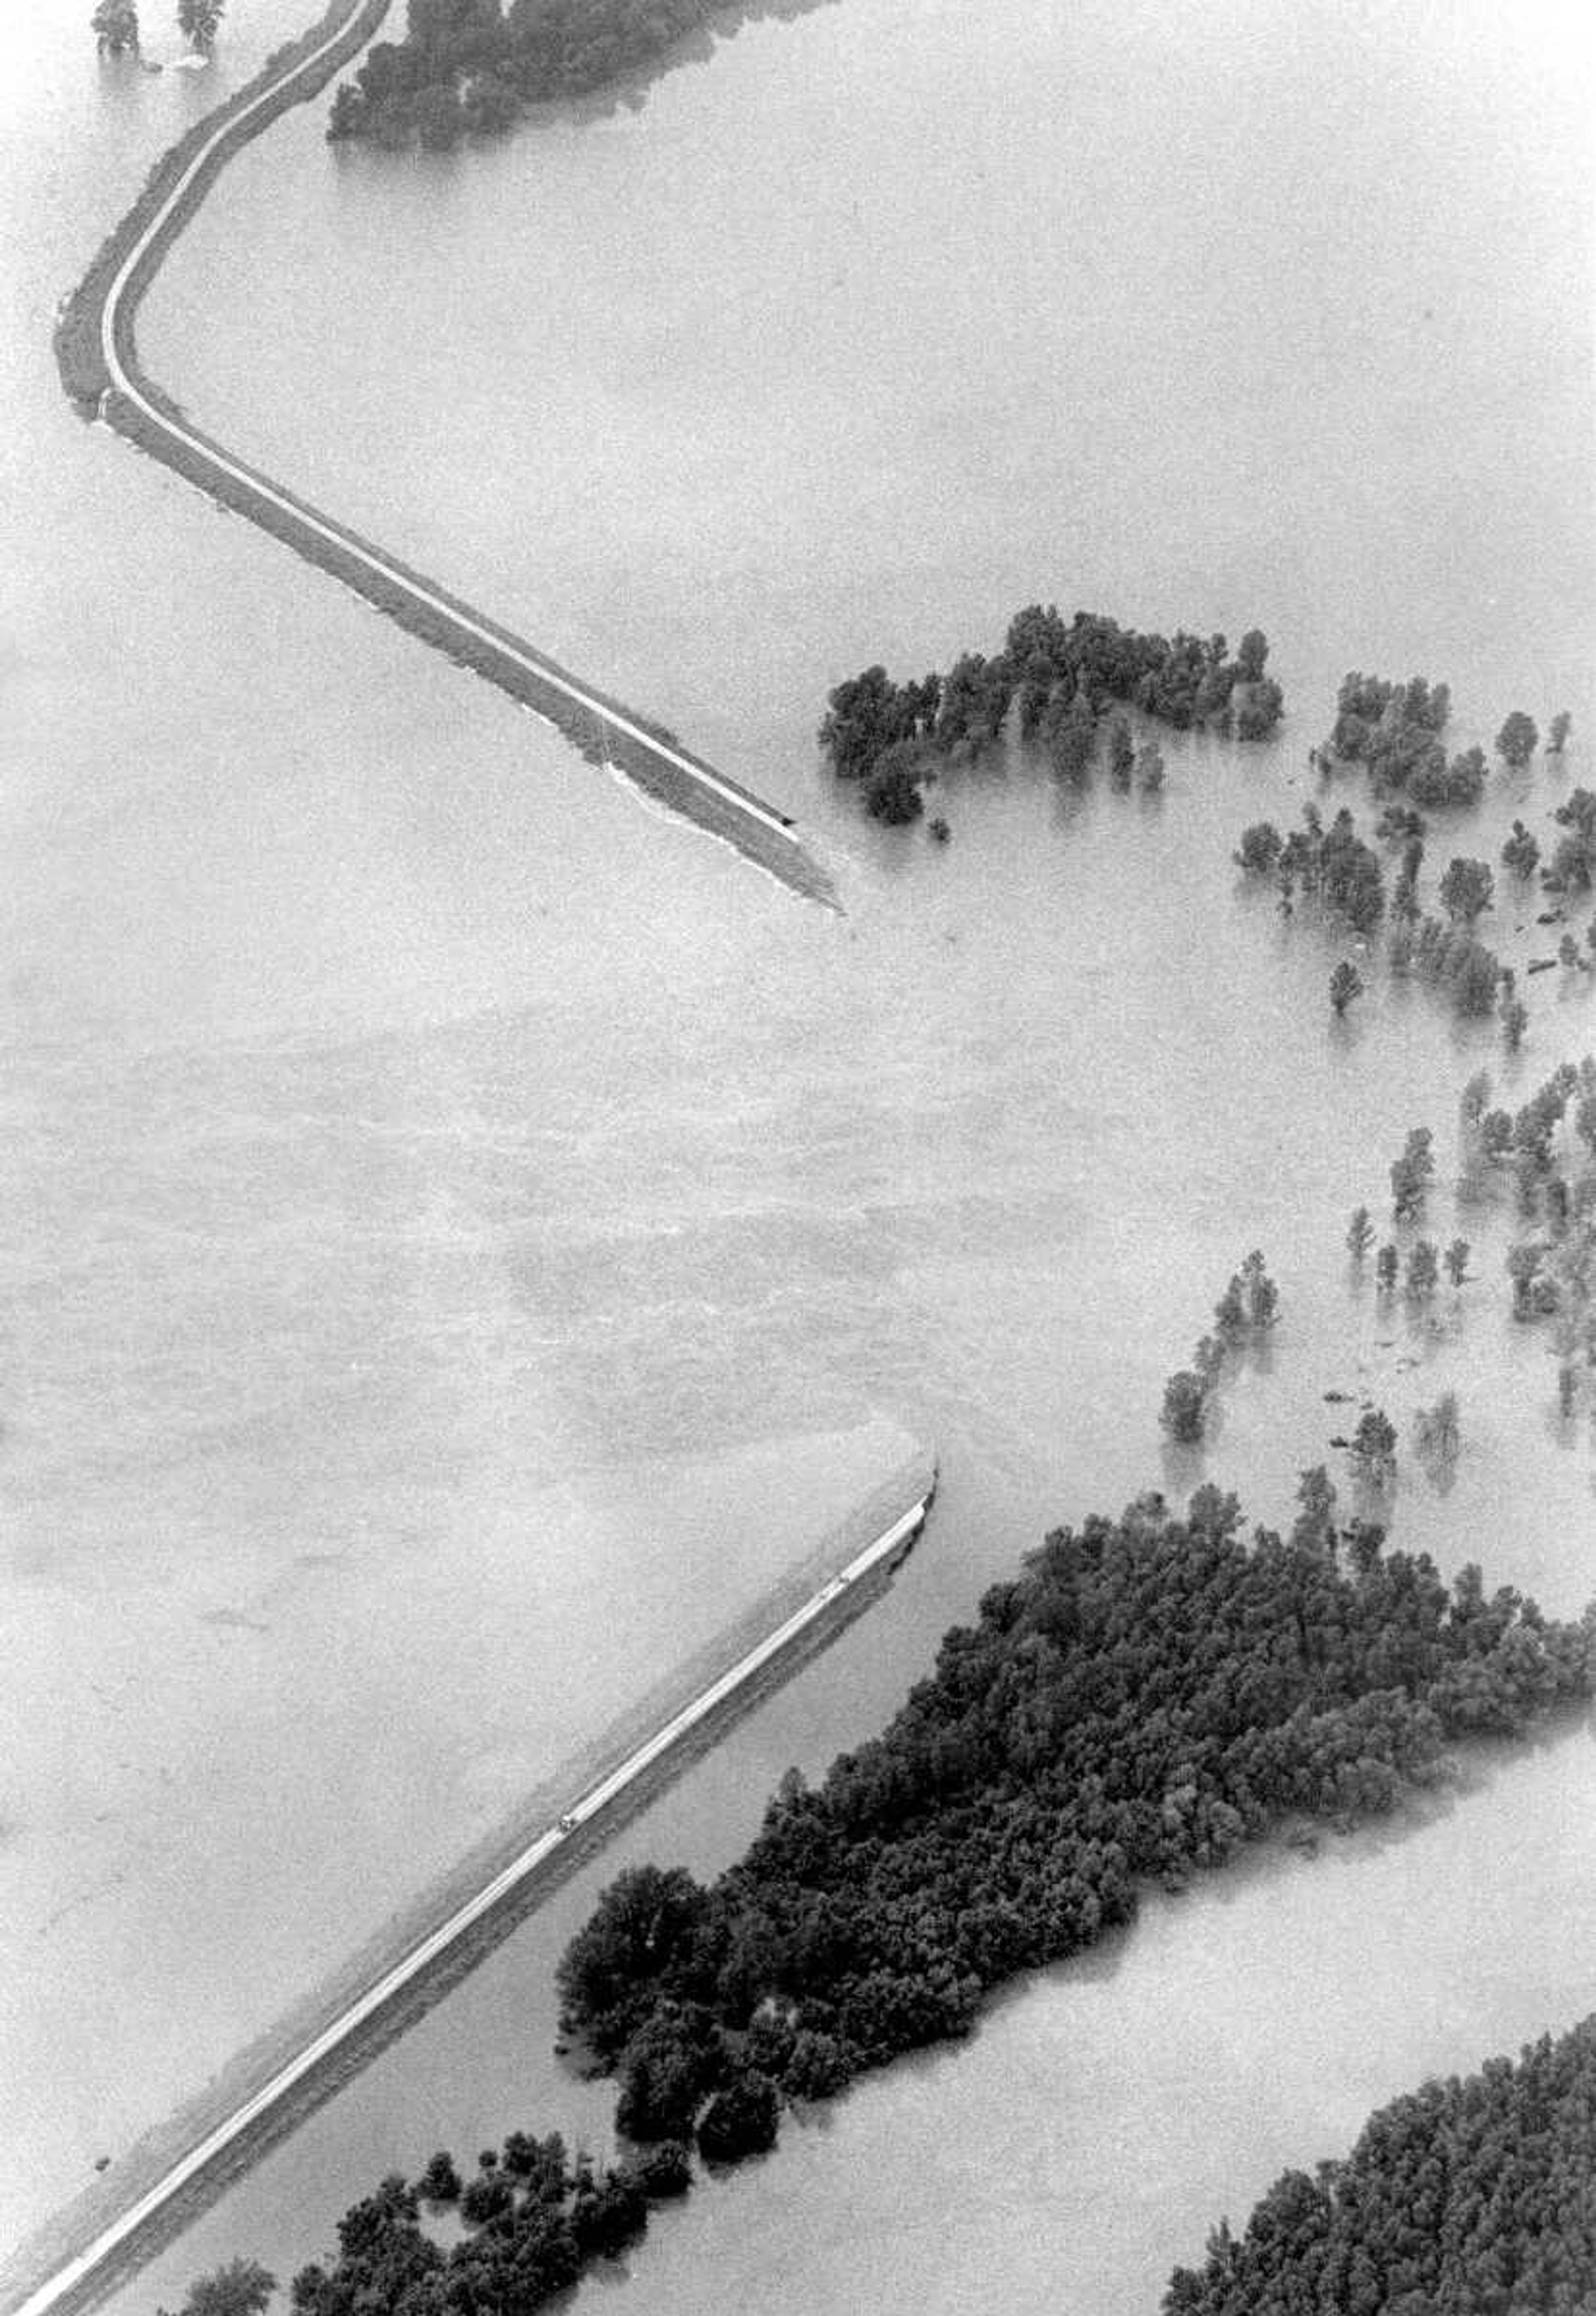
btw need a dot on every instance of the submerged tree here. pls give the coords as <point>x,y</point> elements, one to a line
<point>1346,982</point>
<point>199,21</point>
<point>1411,1175</point>
<point>115,26</point>
<point>1149,768</point>
<point>242,2287</point>
<point>1522,852</point>
<point>1374,1444</point>
<point>1518,740</point>
<point>1185,1403</point>
<point>1466,889</point>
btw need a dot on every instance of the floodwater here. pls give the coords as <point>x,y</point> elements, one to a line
<point>463,1234</point>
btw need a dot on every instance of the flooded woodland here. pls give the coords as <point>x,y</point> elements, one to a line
<point>464,1233</point>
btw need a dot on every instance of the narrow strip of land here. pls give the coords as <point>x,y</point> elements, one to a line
<point>75,2278</point>
<point>105,307</point>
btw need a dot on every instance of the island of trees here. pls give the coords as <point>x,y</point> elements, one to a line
<point>1466,2198</point>
<point>1060,681</point>
<point>1147,1696</point>
<point>469,66</point>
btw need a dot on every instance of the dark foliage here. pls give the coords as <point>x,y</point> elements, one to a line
<point>1466,2198</point>
<point>470,65</point>
<point>1144,1696</point>
<point>1148,1695</point>
<point>1063,678</point>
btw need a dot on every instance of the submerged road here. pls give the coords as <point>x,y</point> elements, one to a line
<point>79,2273</point>
<point>130,402</point>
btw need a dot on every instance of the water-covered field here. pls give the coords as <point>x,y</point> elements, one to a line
<point>455,1222</point>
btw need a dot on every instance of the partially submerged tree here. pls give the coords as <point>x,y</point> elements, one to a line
<point>1518,740</point>
<point>115,26</point>
<point>1411,1175</point>
<point>1374,1444</point>
<point>1359,1234</point>
<point>1521,853</point>
<point>1467,887</point>
<point>1185,1403</point>
<point>242,2287</point>
<point>1346,982</point>
<point>199,21</point>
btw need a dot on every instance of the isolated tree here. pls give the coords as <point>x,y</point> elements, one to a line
<point>1410,1174</point>
<point>1456,1259</point>
<point>1387,1264</point>
<point>1359,1234</point>
<point>1423,1270</point>
<point>1437,1430</point>
<point>1557,738</point>
<point>1467,887</point>
<point>1373,1444</point>
<point>1522,852</point>
<point>1518,740</point>
<point>115,25</point>
<point>199,21</point>
<point>1515,1021</point>
<point>1185,1401</point>
<point>1346,982</point>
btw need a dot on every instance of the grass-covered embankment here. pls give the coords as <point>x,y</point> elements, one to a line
<point>139,2171</point>
<point>146,416</point>
<point>77,338</point>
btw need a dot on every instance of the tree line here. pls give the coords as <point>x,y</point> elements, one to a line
<point>1147,1696</point>
<point>1394,731</point>
<point>1060,679</point>
<point>1469,2198</point>
<point>466,67</point>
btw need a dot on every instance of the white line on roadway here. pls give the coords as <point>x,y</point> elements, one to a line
<point>187,2167</point>
<point>419,593</point>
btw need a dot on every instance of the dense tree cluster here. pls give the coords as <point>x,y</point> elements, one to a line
<point>1466,2198</point>
<point>1394,730</point>
<point>1331,865</point>
<point>533,2220</point>
<point>468,66</point>
<point>1246,1310</point>
<point>1149,1694</point>
<point>1061,679</point>
<point>1144,1696</point>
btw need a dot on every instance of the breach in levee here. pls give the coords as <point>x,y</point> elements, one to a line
<point>99,362</point>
